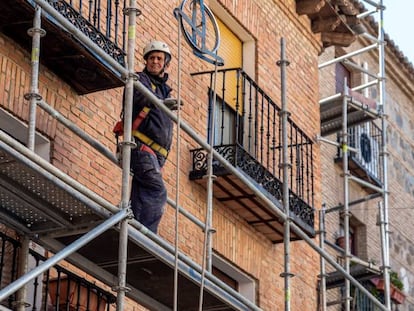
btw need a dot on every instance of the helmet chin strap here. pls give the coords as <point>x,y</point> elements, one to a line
<point>163,69</point>
<point>161,73</point>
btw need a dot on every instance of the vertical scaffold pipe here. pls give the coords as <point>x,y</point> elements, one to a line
<point>286,166</point>
<point>322,236</point>
<point>385,238</point>
<point>132,13</point>
<point>177,172</point>
<point>208,244</point>
<point>21,303</point>
<point>384,253</point>
<point>344,144</point>
<point>36,32</point>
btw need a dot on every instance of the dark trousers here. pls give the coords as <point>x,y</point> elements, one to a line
<point>148,192</point>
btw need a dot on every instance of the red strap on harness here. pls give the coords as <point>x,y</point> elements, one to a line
<point>141,116</point>
<point>147,149</point>
<point>119,126</point>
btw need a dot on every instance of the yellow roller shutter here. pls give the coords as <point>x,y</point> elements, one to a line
<point>231,48</point>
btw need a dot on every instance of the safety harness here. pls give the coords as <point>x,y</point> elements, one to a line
<point>148,144</point>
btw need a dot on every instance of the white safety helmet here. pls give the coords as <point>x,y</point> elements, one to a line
<point>157,46</point>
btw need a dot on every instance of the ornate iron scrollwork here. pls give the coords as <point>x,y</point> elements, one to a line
<point>240,158</point>
<point>89,30</point>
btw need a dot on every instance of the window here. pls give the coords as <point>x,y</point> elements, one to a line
<point>234,277</point>
<point>237,48</point>
<point>357,235</point>
<point>19,131</point>
<point>224,123</point>
<point>230,50</point>
<point>225,278</point>
<point>227,99</point>
<point>341,73</point>
<point>340,240</point>
<point>233,28</point>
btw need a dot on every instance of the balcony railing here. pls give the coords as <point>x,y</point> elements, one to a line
<point>57,288</point>
<point>248,133</point>
<point>102,21</point>
<point>366,163</point>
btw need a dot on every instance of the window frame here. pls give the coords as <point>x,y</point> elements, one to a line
<point>19,131</point>
<point>246,285</point>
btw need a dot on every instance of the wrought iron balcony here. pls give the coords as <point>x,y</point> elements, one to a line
<point>57,288</point>
<point>247,131</point>
<point>60,51</point>
<point>365,164</point>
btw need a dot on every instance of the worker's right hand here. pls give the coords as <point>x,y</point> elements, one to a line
<point>172,103</point>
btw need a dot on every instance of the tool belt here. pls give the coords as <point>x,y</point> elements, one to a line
<point>150,143</point>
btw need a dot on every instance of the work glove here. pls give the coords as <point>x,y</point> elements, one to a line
<point>172,103</point>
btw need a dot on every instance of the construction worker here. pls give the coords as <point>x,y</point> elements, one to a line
<point>152,130</point>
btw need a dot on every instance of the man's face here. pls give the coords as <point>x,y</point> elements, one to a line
<point>155,63</point>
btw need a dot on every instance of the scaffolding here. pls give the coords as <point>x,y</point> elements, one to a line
<point>114,223</point>
<point>339,114</point>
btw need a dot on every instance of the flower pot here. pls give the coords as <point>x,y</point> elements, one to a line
<point>395,293</point>
<point>340,241</point>
<point>70,295</point>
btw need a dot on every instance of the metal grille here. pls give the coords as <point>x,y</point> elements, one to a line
<point>32,200</point>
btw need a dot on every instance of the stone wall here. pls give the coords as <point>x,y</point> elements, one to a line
<point>399,129</point>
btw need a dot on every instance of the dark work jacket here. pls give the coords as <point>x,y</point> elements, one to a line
<point>157,125</point>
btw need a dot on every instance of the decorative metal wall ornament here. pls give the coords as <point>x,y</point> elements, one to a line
<point>201,30</point>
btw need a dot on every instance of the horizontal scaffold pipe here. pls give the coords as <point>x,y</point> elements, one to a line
<point>366,13</point>
<point>366,184</point>
<point>78,131</point>
<point>359,68</point>
<point>378,5</point>
<point>365,85</point>
<point>349,55</point>
<point>339,95</point>
<point>187,214</point>
<point>73,247</point>
<point>340,207</point>
<point>268,203</point>
<point>371,37</point>
<point>354,259</point>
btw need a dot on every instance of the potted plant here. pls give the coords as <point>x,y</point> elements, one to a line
<point>396,287</point>
<point>340,239</point>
